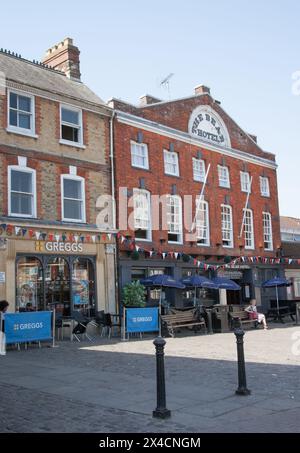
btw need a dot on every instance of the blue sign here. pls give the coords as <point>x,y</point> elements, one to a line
<point>24,327</point>
<point>141,320</point>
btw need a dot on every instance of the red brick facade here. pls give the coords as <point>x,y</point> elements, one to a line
<point>176,115</point>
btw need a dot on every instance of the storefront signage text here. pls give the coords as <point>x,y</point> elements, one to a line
<point>63,247</point>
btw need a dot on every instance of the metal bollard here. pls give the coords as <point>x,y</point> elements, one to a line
<point>242,388</point>
<point>161,411</point>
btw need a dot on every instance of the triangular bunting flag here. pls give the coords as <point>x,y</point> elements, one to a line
<point>37,234</point>
<point>57,237</point>
<point>94,238</point>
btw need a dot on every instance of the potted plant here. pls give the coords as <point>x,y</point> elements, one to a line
<point>134,295</point>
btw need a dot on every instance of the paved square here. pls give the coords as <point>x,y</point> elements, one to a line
<point>109,386</point>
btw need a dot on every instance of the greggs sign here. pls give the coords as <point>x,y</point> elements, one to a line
<point>62,247</point>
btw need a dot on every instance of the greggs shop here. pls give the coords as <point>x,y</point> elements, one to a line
<point>55,273</point>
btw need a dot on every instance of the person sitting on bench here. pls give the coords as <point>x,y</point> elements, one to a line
<point>253,313</point>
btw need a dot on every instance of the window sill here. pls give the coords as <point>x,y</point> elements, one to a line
<point>265,196</point>
<point>83,222</point>
<point>17,131</point>
<point>224,187</point>
<point>21,216</point>
<point>173,176</point>
<point>73,144</point>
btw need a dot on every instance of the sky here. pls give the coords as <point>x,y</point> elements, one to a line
<point>247,52</point>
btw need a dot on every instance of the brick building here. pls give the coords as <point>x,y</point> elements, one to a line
<point>174,148</point>
<point>290,243</point>
<point>54,164</point>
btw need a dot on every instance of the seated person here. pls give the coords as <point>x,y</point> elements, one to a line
<point>253,313</point>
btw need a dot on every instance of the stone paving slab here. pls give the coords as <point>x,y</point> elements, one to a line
<point>109,385</point>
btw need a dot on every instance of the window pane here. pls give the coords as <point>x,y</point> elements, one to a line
<point>21,181</point>
<point>72,209</point>
<point>69,133</point>
<point>29,285</point>
<point>24,120</point>
<point>72,189</point>
<point>83,281</point>
<point>24,104</point>
<point>13,101</point>
<point>13,118</point>
<point>21,204</point>
<point>69,116</point>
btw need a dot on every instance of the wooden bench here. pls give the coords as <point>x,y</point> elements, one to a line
<point>178,319</point>
<point>243,317</point>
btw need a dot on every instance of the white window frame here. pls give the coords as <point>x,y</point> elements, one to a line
<point>149,229</point>
<point>225,223</point>
<point>264,186</point>
<point>245,181</point>
<point>73,178</point>
<point>223,175</point>
<point>19,168</point>
<point>63,141</point>
<point>179,232</point>
<point>199,173</point>
<point>267,230</point>
<point>167,154</point>
<point>133,145</point>
<point>21,130</point>
<point>250,245</point>
<point>204,213</point>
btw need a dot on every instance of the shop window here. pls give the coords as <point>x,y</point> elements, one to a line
<point>29,285</point>
<point>83,286</point>
<point>57,285</point>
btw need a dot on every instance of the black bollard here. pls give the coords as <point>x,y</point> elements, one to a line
<point>161,411</point>
<point>242,388</point>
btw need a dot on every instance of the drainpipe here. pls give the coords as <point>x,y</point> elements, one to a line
<point>111,155</point>
<point>112,166</point>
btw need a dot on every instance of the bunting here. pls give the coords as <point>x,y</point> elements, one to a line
<point>131,244</point>
<point>9,230</point>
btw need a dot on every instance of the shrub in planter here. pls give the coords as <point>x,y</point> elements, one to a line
<point>134,295</point>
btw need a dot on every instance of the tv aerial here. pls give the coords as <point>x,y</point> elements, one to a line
<point>165,83</point>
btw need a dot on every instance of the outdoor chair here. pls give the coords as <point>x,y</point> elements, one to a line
<point>111,321</point>
<point>81,326</point>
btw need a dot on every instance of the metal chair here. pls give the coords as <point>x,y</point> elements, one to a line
<point>81,326</point>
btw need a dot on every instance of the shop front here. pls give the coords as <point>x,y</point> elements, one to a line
<point>67,276</point>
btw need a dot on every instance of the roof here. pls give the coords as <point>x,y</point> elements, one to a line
<point>289,224</point>
<point>36,75</point>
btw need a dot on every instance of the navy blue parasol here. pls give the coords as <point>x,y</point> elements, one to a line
<point>198,281</point>
<point>274,283</point>
<point>225,283</point>
<point>160,281</point>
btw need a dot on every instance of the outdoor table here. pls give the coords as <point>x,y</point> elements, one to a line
<point>278,313</point>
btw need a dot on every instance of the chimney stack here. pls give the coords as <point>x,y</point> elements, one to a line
<point>147,99</point>
<point>64,56</point>
<point>202,89</point>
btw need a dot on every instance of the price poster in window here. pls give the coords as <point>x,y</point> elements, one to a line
<point>81,292</point>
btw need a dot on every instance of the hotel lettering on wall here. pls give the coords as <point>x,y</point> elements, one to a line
<point>63,247</point>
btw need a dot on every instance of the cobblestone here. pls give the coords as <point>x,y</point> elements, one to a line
<point>109,386</point>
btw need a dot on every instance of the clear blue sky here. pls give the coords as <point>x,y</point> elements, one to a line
<point>245,51</point>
